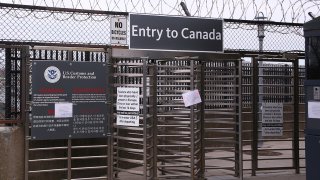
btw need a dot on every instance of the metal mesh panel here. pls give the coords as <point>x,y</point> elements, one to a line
<point>54,27</point>
<point>89,28</point>
<point>179,127</point>
<point>12,83</point>
<point>68,55</point>
<point>247,84</point>
<point>243,36</point>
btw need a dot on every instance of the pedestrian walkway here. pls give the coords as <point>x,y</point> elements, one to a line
<point>264,177</point>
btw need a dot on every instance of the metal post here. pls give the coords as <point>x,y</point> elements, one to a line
<point>261,35</point>
<point>202,93</point>
<point>86,56</point>
<point>255,109</point>
<point>25,86</point>
<point>16,72</point>
<point>69,159</point>
<point>111,116</point>
<point>69,55</point>
<point>155,120</point>
<point>238,91</point>
<point>192,120</point>
<point>185,9</point>
<point>240,118</point>
<point>296,116</point>
<point>145,128</point>
<point>8,64</point>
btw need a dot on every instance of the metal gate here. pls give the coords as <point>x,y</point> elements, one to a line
<point>272,80</point>
<point>134,148</point>
<point>222,121</point>
<point>180,152</point>
<point>171,141</point>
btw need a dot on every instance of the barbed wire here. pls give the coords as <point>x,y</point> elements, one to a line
<point>275,10</point>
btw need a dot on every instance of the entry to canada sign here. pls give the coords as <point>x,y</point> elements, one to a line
<point>155,32</point>
<point>69,100</point>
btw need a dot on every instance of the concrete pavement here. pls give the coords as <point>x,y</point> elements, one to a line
<point>264,177</point>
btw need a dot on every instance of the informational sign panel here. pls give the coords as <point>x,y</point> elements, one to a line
<point>69,100</point>
<point>272,119</point>
<point>175,33</point>
<point>128,106</point>
<point>118,31</point>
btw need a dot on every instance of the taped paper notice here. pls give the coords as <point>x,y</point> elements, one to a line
<point>191,98</point>
<point>127,99</point>
<point>314,110</point>
<point>63,110</point>
<point>127,120</point>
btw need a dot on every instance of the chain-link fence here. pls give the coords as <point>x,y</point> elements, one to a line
<point>34,25</point>
<point>279,37</point>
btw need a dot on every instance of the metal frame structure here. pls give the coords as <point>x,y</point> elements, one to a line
<point>287,93</point>
<point>172,141</point>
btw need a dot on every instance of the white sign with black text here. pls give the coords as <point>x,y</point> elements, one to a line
<point>118,31</point>
<point>272,119</point>
<point>128,106</point>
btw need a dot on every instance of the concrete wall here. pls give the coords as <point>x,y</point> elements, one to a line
<point>11,153</point>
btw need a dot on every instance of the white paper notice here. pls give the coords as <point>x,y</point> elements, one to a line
<point>191,98</point>
<point>272,112</point>
<point>127,120</point>
<point>63,110</point>
<point>314,110</point>
<point>127,99</point>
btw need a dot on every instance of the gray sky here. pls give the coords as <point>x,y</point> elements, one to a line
<point>275,10</point>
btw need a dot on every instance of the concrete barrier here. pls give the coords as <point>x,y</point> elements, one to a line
<point>11,153</point>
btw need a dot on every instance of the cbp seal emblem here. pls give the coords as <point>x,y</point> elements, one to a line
<point>52,74</point>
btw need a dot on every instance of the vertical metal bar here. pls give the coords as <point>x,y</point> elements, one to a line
<point>25,64</point>
<point>255,109</point>
<point>57,55</point>
<point>192,120</point>
<point>239,93</point>
<point>8,64</point>
<point>202,93</point>
<point>155,119</point>
<point>69,159</point>
<point>111,116</point>
<point>86,56</point>
<point>238,121</point>
<point>16,72</point>
<point>45,54</point>
<point>296,115</point>
<point>145,134</point>
<point>70,56</point>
